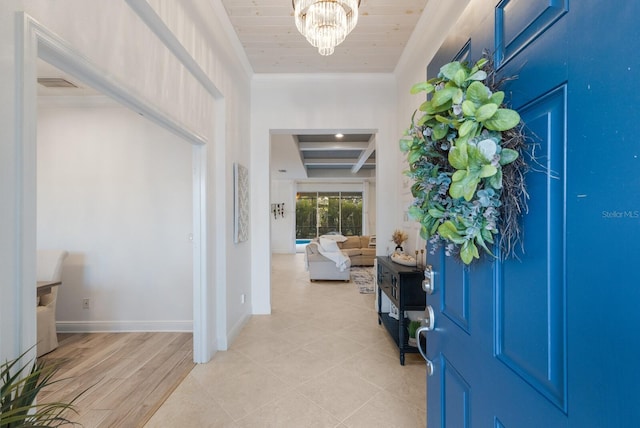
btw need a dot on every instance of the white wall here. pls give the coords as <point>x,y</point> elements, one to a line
<point>370,194</point>
<point>15,335</point>
<point>115,191</point>
<point>318,102</point>
<point>116,40</point>
<point>283,233</point>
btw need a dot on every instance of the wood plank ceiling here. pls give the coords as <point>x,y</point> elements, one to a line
<point>267,32</point>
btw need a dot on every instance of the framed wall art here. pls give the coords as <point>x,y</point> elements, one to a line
<point>240,203</point>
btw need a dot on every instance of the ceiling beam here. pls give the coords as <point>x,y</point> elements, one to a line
<point>332,145</point>
<point>364,156</point>
<point>334,162</point>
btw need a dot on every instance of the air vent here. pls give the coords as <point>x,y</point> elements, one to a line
<point>55,82</point>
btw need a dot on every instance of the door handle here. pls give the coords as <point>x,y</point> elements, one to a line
<point>427,325</point>
<point>430,368</point>
<point>427,282</point>
<point>419,331</point>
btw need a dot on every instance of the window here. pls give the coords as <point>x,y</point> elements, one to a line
<point>320,213</point>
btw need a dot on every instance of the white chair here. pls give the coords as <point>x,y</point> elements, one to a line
<point>49,268</point>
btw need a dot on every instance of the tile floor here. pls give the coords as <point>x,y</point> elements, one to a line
<point>319,360</point>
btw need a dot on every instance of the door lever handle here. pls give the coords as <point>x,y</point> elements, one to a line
<point>419,331</point>
<point>428,324</point>
<point>430,368</point>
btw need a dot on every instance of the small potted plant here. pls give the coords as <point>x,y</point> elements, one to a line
<point>413,327</point>
<point>20,384</point>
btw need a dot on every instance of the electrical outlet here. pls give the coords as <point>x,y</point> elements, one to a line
<point>242,298</point>
<point>86,304</point>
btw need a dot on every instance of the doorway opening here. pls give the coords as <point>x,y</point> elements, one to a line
<point>52,50</point>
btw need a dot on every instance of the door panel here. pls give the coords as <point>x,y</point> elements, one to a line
<point>455,293</point>
<point>455,391</point>
<point>530,292</point>
<point>519,22</point>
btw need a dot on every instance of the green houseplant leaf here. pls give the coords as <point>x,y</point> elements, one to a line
<point>486,112</point>
<point>442,96</point>
<point>458,157</point>
<point>497,98</point>
<point>440,131</point>
<point>469,127</point>
<point>503,120</point>
<point>507,156</point>
<point>478,93</point>
<point>21,383</point>
<point>468,252</point>
<point>468,108</point>
<point>422,87</point>
<point>448,231</point>
<point>478,75</point>
<point>449,70</point>
<point>405,144</point>
<point>460,77</point>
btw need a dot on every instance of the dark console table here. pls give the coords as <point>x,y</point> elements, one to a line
<point>403,286</point>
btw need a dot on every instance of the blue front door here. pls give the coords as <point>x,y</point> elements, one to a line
<point>551,339</point>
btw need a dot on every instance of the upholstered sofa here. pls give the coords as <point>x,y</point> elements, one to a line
<point>358,250</point>
<point>355,249</point>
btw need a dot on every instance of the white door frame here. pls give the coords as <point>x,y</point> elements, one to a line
<point>34,41</point>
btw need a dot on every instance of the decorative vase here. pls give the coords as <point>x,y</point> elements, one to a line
<point>399,249</point>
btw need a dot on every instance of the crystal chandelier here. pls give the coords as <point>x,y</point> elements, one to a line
<point>325,23</point>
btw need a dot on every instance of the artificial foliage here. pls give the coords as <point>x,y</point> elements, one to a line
<point>464,149</point>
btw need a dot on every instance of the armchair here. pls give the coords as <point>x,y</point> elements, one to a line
<point>49,268</point>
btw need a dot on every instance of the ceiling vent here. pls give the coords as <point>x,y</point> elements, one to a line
<point>55,82</point>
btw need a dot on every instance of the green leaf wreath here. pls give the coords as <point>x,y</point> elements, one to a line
<point>465,158</point>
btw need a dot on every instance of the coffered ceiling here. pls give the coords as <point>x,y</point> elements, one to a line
<point>317,155</point>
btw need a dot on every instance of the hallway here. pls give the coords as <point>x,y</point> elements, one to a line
<point>319,360</point>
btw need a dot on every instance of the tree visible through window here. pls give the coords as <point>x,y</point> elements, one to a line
<point>321,213</point>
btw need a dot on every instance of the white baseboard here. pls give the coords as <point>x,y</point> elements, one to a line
<point>123,326</point>
<point>235,331</point>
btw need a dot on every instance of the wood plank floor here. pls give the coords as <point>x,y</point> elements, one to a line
<point>129,375</point>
